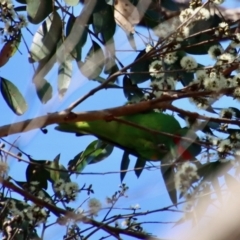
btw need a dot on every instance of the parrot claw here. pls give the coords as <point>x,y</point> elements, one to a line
<point>109,118</point>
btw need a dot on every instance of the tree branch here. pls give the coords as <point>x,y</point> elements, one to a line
<point>63,117</point>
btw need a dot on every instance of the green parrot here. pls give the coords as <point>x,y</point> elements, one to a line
<point>141,143</point>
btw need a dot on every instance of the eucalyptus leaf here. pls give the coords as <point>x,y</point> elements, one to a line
<point>54,173</point>
<point>44,90</point>
<point>72,3</point>
<point>46,38</point>
<point>83,38</point>
<point>94,62</point>
<point>139,166</point>
<point>38,10</point>
<point>124,165</point>
<point>168,177</point>
<point>13,97</point>
<point>36,172</point>
<point>140,69</point>
<point>64,77</point>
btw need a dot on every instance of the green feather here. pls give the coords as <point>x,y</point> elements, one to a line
<point>137,141</point>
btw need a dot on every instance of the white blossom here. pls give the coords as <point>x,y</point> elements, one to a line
<point>236,93</point>
<point>236,40</point>
<point>148,48</point>
<point>223,29</point>
<point>3,169</point>
<point>224,146</point>
<point>201,75</point>
<point>94,206</point>
<point>226,57</point>
<point>59,185</point>
<point>218,1</point>
<point>202,13</point>
<point>185,14</point>
<point>211,84</point>
<point>170,58</point>
<point>156,69</point>
<point>236,80</point>
<point>188,63</point>
<point>227,113</point>
<point>71,187</point>
<point>213,140</point>
<point>185,176</point>
<point>182,33</point>
<point>201,103</point>
<point>135,207</point>
<point>215,51</point>
<point>165,28</point>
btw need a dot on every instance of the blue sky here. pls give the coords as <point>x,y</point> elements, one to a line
<point>148,191</point>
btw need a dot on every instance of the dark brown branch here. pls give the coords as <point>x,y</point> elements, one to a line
<point>63,117</point>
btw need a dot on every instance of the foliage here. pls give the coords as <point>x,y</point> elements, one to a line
<point>199,160</point>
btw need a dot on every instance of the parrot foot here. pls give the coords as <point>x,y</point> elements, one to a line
<point>109,118</point>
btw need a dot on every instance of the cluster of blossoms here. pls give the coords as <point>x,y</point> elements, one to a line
<point>94,206</point>
<point>67,191</point>
<point>196,14</point>
<point>13,22</point>
<point>188,63</point>
<point>32,213</point>
<point>159,86</point>
<point>223,30</point>
<point>185,176</point>
<point>3,169</point>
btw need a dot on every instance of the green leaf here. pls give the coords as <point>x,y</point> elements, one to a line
<point>130,90</point>
<point>78,163</point>
<point>199,26</point>
<point>139,166</point>
<point>46,38</point>
<point>101,80</point>
<point>207,126</point>
<point>104,23</point>
<point>20,8</point>
<point>110,66</point>
<point>152,18</point>
<point>13,97</point>
<point>124,165</point>
<point>131,40</point>
<point>236,111</point>
<point>170,5</point>
<point>212,170</point>
<point>44,90</point>
<point>21,1</point>
<point>38,10</point>
<point>83,31</point>
<point>36,172</point>
<point>94,62</point>
<point>60,172</point>
<point>54,174</point>
<point>168,177</point>
<point>95,152</point>
<point>110,2</point>
<point>102,151</point>
<point>72,3</point>
<point>99,6</point>
<point>5,53</point>
<point>64,77</point>
<point>139,68</point>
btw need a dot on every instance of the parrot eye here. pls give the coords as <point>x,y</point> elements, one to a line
<point>162,147</point>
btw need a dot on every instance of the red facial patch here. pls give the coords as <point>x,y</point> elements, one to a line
<point>183,155</point>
